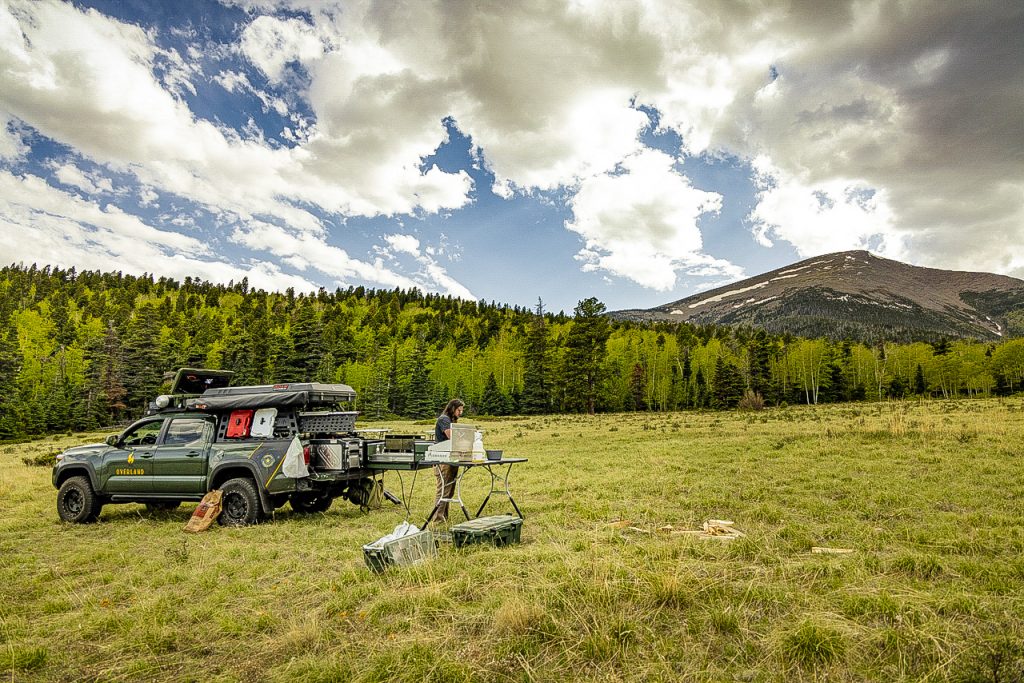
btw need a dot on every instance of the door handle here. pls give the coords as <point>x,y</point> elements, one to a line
<point>144,455</point>
<point>192,454</point>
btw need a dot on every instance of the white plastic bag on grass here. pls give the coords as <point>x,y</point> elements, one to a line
<point>403,529</point>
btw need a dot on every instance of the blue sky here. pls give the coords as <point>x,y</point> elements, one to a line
<point>636,152</point>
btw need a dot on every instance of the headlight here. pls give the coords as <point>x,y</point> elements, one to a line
<point>60,456</point>
<point>162,401</point>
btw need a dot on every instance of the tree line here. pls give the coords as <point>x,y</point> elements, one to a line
<point>83,350</point>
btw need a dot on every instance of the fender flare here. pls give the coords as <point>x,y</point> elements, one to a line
<point>252,471</point>
<point>75,470</point>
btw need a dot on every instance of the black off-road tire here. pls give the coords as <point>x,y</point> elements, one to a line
<point>240,504</point>
<point>77,502</point>
<point>162,505</point>
<point>309,503</point>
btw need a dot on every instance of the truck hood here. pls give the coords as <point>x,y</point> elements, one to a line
<point>79,452</point>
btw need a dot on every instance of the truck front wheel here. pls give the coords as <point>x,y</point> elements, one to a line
<point>240,503</point>
<point>77,502</point>
<point>311,502</point>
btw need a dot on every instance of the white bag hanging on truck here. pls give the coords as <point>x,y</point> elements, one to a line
<point>294,464</point>
<point>263,423</point>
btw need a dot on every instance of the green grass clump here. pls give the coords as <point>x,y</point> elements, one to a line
<point>811,645</point>
<point>606,585</point>
<point>23,659</point>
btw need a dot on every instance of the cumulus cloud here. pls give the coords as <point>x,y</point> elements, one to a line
<point>916,102</point>
<point>11,145</point>
<point>641,222</point>
<point>889,125</point>
<point>404,243</point>
<point>832,215</point>
<point>271,44</point>
<point>41,224</point>
<point>88,81</point>
<point>430,273</point>
<point>92,183</point>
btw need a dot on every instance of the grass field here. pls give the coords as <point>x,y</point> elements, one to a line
<point>928,496</point>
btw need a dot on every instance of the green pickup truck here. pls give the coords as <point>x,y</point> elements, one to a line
<point>262,446</point>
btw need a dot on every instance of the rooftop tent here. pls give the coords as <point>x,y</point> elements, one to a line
<point>295,395</point>
<point>195,381</point>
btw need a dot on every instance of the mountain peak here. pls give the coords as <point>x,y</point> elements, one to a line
<point>857,295</point>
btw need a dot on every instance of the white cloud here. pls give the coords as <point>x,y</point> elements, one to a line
<point>11,145</point>
<point>40,224</point>
<point>431,275</point>
<point>147,197</point>
<point>69,174</point>
<point>915,102</point>
<point>830,215</point>
<point>87,81</point>
<point>271,44</point>
<point>641,223</point>
<point>912,100</point>
<point>407,244</point>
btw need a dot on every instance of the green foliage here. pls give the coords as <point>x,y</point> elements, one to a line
<point>494,401</point>
<point>41,459</point>
<point>88,350</point>
<point>537,381</point>
<point>585,352</point>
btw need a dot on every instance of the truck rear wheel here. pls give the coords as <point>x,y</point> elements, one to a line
<point>240,503</point>
<point>77,502</point>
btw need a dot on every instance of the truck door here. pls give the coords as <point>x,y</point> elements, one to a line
<point>128,467</point>
<point>180,462</point>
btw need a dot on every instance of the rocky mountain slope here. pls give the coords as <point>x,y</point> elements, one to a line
<point>857,295</point>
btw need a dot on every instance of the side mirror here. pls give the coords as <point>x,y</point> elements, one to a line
<point>112,440</point>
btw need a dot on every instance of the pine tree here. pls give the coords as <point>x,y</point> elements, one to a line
<point>420,401</point>
<point>759,357</point>
<point>63,324</point>
<point>536,397</point>
<point>104,400</point>
<point>143,371</point>
<point>728,384</point>
<point>638,388</point>
<point>325,370</point>
<point>585,351</point>
<point>493,401</point>
<point>10,365</point>
<point>307,342</point>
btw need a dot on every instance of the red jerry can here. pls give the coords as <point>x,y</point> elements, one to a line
<point>239,424</point>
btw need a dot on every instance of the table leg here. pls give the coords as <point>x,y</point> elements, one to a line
<point>458,490</point>
<point>507,492</point>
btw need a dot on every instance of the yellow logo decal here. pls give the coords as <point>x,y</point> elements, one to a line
<point>131,457</point>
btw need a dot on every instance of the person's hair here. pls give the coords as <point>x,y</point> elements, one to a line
<point>452,406</point>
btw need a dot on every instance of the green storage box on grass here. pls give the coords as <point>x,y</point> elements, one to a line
<point>401,552</point>
<point>497,530</point>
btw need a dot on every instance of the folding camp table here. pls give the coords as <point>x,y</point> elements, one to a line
<point>499,483</point>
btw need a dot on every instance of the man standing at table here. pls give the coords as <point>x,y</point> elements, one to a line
<point>445,474</point>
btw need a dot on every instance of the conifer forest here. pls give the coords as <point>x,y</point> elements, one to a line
<point>86,350</point>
